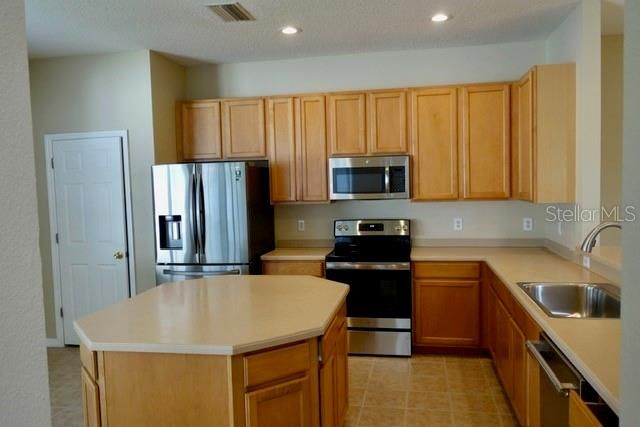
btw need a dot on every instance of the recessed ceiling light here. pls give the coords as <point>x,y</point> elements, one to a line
<point>440,17</point>
<point>289,30</point>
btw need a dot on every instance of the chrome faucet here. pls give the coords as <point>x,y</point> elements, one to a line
<point>590,241</point>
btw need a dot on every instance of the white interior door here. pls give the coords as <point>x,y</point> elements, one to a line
<point>92,235</point>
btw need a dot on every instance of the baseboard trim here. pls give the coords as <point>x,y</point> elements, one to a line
<point>54,342</point>
<point>450,351</point>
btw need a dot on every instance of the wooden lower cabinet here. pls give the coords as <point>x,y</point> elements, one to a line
<point>579,413</point>
<point>509,329</point>
<point>287,404</point>
<point>446,304</point>
<point>334,374</point>
<point>286,386</point>
<point>90,400</point>
<point>310,268</point>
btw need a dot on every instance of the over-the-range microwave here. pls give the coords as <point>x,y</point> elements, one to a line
<point>379,177</point>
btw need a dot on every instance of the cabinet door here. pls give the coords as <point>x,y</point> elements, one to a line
<point>524,161</point>
<point>347,124</point>
<point>328,388</point>
<point>447,313</point>
<point>283,405</point>
<point>282,149</point>
<point>387,122</point>
<point>199,130</point>
<point>312,148</point>
<point>503,347</point>
<point>342,375</point>
<point>519,364</point>
<point>243,133</point>
<point>490,319</point>
<point>434,144</point>
<point>579,413</point>
<point>90,401</point>
<point>485,142</point>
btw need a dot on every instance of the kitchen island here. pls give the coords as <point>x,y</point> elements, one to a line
<point>225,351</point>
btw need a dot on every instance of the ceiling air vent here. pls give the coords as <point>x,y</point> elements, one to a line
<point>231,12</point>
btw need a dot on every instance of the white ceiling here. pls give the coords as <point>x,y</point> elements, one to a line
<point>186,29</point>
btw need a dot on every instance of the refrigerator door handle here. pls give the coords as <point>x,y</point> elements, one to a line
<point>202,228</point>
<point>194,212</point>
<point>198,215</point>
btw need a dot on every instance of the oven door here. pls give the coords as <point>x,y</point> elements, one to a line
<point>378,305</point>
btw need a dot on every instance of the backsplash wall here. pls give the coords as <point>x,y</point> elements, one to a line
<point>430,220</point>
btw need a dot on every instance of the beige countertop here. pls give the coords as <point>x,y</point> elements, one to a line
<point>221,315</point>
<point>592,345</point>
<point>296,254</point>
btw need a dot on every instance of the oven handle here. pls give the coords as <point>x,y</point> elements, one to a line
<point>562,388</point>
<point>396,266</point>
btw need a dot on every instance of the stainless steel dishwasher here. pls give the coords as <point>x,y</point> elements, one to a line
<point>557,378</point>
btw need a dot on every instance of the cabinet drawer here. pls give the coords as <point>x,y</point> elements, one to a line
<point>260,368</point>
<point>88,360</point>
<point>447,270</point>
<point>310,268</point>
<point>330,337</point>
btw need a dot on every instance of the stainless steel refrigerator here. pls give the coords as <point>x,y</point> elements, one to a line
<point>211,219</point>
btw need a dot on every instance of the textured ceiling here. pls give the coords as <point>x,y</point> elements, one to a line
<point>186,29</point>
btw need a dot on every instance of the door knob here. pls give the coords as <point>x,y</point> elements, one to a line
<point>118,255</point>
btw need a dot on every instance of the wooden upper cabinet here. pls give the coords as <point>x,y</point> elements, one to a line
<point>545,139</point>
<point>523,166</point>
<point>296,139</point>
<point>311,131</point>
<point>347,124</point>
<point>434,143</point>
<point>243,130</point>
<point>281,142</point>
<point>485,142</point>
<point>387,122</point>
<point>198,130</point>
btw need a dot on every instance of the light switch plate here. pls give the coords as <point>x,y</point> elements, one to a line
<point>457,224</point>
<point>301,225</point>
<point>527,224</point>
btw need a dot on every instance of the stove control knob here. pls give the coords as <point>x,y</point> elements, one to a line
<point>339,227</point>
<point>345,227</point>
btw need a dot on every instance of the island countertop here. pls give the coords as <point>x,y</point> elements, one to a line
<point>222,315</point>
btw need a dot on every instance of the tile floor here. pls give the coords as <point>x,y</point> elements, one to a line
<point>385,392</point>
<point>64,387</point>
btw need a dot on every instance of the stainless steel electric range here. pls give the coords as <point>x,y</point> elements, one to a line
<point>372,256</point>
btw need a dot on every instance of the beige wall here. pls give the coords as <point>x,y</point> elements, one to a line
<point>24,399</point>
<point>612,84</point>
<point>630,374</point>
<point>94,93</point>
<point>167,87</point>
<point>577,40</point>
<point>430,220</point>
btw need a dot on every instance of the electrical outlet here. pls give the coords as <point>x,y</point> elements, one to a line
<point>527,224</point>
<point>301,225</point>
<point>457,224</point>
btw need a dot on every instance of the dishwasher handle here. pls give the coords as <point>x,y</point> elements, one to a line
<point>534,349</point>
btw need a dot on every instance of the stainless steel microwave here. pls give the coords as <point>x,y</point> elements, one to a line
<point>380,177</point>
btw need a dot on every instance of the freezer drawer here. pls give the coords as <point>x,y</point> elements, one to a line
<point>178,273</point>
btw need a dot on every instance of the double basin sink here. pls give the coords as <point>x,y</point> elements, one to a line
<point>574,299</point>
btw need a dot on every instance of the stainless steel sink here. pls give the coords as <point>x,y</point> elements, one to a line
<point>575,300</point>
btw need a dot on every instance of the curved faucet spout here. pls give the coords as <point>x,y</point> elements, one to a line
<point>590,241</point>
